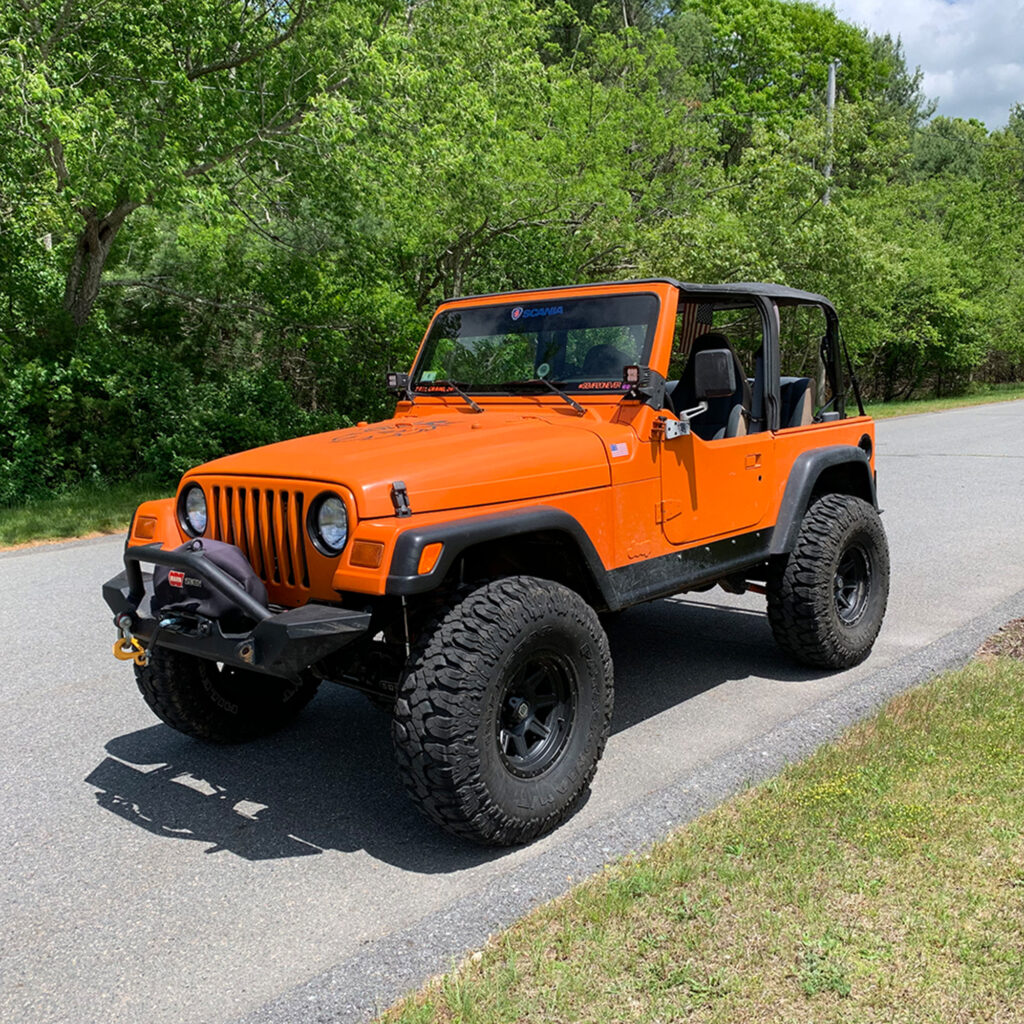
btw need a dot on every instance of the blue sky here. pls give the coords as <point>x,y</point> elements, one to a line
<point>971,51</point>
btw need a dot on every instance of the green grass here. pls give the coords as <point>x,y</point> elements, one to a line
<point>90,508</point>
<point>880,880</point>
<point>984,395</point>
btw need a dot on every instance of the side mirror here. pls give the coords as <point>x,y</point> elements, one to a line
<point>714,374</point>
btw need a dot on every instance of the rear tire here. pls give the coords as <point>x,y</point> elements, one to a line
<point>219,704</point>
<point>827,598</point>
<point>504,711</point>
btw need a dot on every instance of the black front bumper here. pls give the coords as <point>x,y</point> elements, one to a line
<point>280,644</point>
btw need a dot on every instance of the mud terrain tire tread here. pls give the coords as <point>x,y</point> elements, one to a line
<point>801,599</point>
<point>194,696</point>
<point>443,726</point>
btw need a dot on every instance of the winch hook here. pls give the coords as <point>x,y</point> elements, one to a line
<point>126,646</point>
<point>129,649</point>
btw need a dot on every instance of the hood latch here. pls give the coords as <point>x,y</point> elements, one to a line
<point>400,499</point>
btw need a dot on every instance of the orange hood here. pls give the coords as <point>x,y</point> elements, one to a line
<point>446,461</point>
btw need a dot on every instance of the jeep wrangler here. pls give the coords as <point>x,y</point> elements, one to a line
<point>554,455</point>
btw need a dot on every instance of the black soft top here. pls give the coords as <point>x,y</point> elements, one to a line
<point>781,294</point>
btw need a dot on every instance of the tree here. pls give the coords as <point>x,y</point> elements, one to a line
<point>274,193</point>
<point>106,108</point>
<point>950,146</point>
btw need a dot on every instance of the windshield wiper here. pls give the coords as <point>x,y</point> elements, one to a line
<point>517,385</point>
<point>452,386</point>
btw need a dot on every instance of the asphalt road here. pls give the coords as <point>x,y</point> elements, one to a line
<point>147,877</point>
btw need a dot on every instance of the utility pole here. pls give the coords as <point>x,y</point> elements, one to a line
<point>830,114</point>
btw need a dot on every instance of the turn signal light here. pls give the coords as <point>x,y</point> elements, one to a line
<point>145,528</point>
<point>367,554</point>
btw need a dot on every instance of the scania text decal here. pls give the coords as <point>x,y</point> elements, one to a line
<point>524,314</point>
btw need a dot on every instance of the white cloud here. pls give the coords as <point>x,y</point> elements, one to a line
<point>971,51</point>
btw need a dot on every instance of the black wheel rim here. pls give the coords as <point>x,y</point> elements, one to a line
<point>536,713</point>
<point>852,584</point>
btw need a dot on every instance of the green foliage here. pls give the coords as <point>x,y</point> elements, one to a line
<point>821,967</point>
<point>109,413</point>
<point>221,220</point>
<point>950,146</point>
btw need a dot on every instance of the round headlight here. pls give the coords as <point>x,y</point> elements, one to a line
<point>328,525</point>
<point>193,510</point>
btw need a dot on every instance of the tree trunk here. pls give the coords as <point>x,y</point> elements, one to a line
<point>91,252</point>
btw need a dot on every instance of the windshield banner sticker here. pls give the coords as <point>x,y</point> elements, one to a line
<point>524,314</point>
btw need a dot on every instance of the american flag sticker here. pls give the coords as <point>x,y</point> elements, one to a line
<point>619,449</point>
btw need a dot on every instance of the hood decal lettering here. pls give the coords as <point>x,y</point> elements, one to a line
<point>389,430</point>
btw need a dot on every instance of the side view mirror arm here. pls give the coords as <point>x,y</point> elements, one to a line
<point>672,429</point>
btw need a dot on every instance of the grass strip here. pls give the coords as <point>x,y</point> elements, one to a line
<point>985,395</point>
<point>84,510</point>
<point>880,880</point>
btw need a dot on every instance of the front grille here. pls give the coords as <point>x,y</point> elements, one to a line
<point>269,526</point>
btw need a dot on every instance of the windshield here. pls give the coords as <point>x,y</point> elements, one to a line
<point>579,344</point>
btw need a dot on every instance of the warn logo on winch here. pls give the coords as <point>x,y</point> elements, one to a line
<point>178,579</point>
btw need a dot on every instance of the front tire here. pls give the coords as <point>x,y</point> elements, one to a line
<point>218,703</point>
<point>504,711</point>
<point>827,598</point>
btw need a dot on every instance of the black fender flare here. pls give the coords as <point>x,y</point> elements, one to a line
<point>803,478</point>
<point>458,535</point>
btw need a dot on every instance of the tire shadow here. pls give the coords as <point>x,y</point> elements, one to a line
<point>327,782</point>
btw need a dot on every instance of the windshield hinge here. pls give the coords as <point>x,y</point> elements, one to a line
<point>400,499</point>
<point>399,384</point>
<point>645,385</point>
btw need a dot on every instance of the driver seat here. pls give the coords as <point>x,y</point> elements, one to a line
<point>725,417</point>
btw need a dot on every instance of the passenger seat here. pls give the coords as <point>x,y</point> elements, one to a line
<point>796,396</point>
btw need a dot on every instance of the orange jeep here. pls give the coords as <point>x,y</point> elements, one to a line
<point>555,454</point>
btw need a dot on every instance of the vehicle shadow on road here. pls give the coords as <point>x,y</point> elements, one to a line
<point>668,652</point>
<point>328,781</point>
